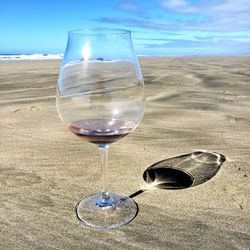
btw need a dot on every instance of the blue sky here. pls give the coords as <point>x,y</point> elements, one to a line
<point>159,27</point>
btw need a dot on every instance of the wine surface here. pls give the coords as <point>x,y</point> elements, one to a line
<point>101,131</point>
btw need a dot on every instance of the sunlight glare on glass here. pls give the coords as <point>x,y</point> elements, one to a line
<point>115,112</point>
<point>151,186</point>
<point>86,52</point>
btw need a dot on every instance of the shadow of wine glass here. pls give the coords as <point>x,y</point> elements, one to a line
<point>182,171</point>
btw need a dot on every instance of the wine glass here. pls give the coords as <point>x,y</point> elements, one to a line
<point>100,98</point>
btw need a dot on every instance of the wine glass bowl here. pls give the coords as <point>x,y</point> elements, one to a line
<point>100,98</point>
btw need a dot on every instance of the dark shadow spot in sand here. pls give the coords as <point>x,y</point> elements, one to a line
<point>182,171</point>
<point>211,81</point>
<point>11,177</point>
<point>148,79</point>
<point>31,108</point>
<point>200,105</point>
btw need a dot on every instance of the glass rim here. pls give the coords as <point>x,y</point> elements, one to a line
<point>99,31</point>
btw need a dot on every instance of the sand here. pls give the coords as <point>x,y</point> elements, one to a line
<point>192,104</point>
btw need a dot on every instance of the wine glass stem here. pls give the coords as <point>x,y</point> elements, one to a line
<point>103,148</point>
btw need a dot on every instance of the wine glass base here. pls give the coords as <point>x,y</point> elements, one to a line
<point>119,213</point>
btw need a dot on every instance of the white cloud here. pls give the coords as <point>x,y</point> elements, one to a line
<point>231,6</point>
<point>131,7</point>
<point>205,27</point>
<point>128,6</point>
<point>207,7</point>
<point>181,5</point>
<point>224,14</point>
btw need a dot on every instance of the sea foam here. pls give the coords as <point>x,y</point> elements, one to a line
<point>18,57</point>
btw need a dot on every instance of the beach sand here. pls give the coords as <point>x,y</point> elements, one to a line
<point>192,104</point>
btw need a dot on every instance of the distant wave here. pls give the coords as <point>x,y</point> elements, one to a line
<point>18,57</point>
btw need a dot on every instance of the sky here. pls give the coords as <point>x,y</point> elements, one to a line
<point>159,27</point>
